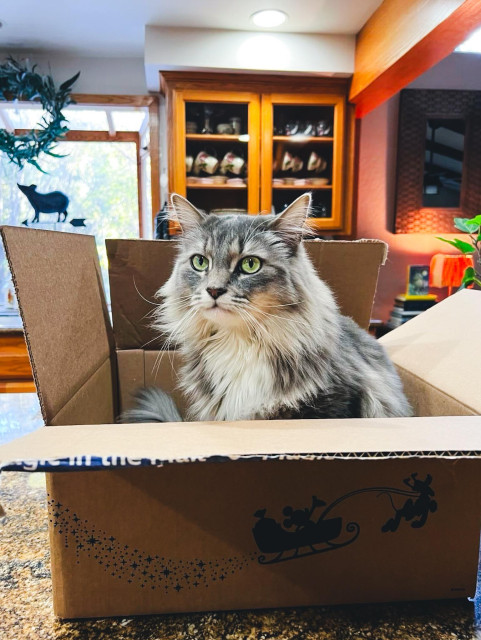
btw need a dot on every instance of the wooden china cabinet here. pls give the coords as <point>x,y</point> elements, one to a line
<point>253,143</point>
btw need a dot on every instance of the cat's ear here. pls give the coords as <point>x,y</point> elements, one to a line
<point>185,213</point>
<point>290,223</point>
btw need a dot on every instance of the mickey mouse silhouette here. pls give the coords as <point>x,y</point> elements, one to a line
<point>301,518</point>
<point>411,509</point>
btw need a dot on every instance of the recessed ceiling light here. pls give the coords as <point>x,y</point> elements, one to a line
<point>269,18</point>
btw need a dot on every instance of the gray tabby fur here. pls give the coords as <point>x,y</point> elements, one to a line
<point>152,405</point>
<point>274,345</point>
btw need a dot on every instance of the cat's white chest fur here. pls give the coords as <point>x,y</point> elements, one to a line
<point>240,379</point>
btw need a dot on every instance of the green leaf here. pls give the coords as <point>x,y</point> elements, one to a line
<point>68,83</point>
<point>469,275</point>
<point>476,220</point>
<point>462,246</point>
<point>463,224</point>
<point>37,166</point>
<point>19,81</point>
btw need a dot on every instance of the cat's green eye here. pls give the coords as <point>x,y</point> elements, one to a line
<point>251,264</point>
<point>200,263</point>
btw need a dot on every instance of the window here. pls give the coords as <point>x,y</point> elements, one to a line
<point>105,173</point>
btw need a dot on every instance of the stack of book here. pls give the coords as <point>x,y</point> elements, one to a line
<point>407,307</point>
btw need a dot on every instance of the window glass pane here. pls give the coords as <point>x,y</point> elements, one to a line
<point>86,119</point>
<point>24,118</point>
<point>79,118</point>
<point>100,180</point>
<point>128,120</point>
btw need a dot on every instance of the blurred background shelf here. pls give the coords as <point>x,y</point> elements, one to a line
<point>300,139</point>
<point>216,137</point>
<point>303,187</point>
<point>216,186</point>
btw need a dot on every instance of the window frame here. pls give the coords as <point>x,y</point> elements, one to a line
<point>152,103</point>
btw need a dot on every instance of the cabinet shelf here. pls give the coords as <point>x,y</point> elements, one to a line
<point>300,139</point>
<point>216,186</point>
<point>307,187</point>
<point>216,137</point>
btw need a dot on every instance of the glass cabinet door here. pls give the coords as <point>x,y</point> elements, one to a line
<point>216,156</point>
<point>302,150</point>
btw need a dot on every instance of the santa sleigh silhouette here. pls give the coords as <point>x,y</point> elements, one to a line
<point>299,533</point>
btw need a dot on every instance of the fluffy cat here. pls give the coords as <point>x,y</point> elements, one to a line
<point>260,333</point>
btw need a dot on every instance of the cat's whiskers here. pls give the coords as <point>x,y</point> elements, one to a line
<point>156,304</point>
<point>159,337</point>
<point>155,312</point>
<point>186,298</point>
<point>248,323</point>
<point>284,342</point>
<point>288,304</point>
<point>176,344</point>
<point>173,333</point>
<point>269,338</point>
<point>283,318</point>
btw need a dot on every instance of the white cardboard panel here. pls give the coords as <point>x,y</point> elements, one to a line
<point>440,347</point>
<point>185,441</point>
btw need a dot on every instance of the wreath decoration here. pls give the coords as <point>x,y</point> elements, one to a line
<point>20,82</point>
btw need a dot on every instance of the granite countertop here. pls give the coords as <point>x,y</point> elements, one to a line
<point>26,598</point>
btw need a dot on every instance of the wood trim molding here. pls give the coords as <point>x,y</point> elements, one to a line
<point>91,136</point>
<point>402,40</point>
<point>154,149</point>
<point>250,82</point>
<point>139,187</point>
<point>110,99</point>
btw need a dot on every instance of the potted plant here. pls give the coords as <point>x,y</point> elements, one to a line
<point>471,226</point>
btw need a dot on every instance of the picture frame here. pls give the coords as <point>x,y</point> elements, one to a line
<point>417,284</point>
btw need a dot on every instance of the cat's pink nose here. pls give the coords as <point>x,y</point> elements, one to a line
<point>215,293</point>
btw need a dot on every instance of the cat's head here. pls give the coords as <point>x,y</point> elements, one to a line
<point>233,268</point>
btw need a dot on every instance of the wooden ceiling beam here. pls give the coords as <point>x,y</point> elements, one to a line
<point>402,40</point>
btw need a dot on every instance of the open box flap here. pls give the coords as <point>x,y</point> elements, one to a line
<point>74,447</point>
<point>351,269</point>
<point>138,268</point>
<point>60,295</point>
<point>441,348</point>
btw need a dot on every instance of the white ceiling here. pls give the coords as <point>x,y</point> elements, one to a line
<point>116,27</point>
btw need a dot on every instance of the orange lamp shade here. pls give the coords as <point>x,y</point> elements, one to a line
<point>448,270</point>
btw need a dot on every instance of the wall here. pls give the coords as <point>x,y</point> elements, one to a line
<point>377,181</point>
<point>222,50</point>
<point>98,75</point>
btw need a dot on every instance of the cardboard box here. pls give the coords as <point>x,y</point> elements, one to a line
<point>437,357</point>
<point>205,516</point>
